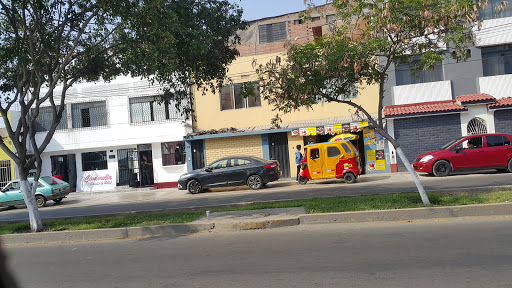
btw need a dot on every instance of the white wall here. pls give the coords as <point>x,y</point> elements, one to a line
<point>494,32</point>
<point>479,111</point>
<point>120,133</point>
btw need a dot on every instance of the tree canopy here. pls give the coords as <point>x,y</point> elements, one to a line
<point>50,43</point>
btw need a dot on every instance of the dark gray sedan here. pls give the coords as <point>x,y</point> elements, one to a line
<point>231,171</point>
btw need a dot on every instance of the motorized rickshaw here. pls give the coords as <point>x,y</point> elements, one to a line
<point>327,160</point>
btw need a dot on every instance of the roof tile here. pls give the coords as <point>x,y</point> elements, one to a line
<point>425,107</point>
<point>470,98</point>
<point>502,102</point>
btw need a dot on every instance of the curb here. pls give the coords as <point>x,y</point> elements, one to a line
<point>501,209</point>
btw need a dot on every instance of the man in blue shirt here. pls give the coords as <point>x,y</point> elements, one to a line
<point>298,158</point>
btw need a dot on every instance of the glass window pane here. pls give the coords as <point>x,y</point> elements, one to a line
<point>494,141</point>
<point>226,98</point>
<point>333,152</point>
<point>255,101</point>
<point>239,98</point>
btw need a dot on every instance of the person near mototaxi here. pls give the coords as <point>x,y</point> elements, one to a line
<point>298,158</point>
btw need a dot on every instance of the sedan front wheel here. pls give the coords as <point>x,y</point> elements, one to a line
<point>255,182</point>
<point>442,168</point>
<point>194,187</point>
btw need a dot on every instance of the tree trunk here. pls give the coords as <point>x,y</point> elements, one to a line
<point>414,175</point>
<point>404,160</point>
<point>30,200</point>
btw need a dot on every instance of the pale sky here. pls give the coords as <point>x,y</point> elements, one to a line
<point>257,9</point>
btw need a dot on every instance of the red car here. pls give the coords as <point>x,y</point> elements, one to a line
<point>484,151</point>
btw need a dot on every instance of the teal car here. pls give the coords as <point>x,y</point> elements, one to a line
<point>48,188</point>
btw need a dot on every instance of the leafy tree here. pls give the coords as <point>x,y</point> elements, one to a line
<point>50,43</point>
<point>360,48</point>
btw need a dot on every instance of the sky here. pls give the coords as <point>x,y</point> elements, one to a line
<point>257,9</point>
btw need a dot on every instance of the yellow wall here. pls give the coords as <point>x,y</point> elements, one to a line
<point>238,145</point>
<point>8,143</point>
<point>292,144</point>
<point>209,115</point>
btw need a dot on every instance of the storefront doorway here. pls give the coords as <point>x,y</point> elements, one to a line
<point>144,150</point>
<point>65,166</point>
<point>278,150</point>
<point>125,161</point>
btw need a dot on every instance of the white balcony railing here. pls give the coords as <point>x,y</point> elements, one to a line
<point>498,86</point>
<point>423,92</point>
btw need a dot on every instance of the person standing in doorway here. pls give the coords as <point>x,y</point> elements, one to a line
<point>146,171</point>
<point>298,158</point>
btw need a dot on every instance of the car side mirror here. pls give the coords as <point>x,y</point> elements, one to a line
<point>457,149</point>
<point>208,169</point>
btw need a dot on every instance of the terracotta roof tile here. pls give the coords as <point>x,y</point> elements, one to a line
<point>470,98</point>
<point>425,107</point>
<point>502,102</point>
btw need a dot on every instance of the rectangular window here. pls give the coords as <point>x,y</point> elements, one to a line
<point>45,119</point>
<point>330,18</point>
<point>270,33</point>
<point>173,153</point>
<point>237,97</point>
<point>297,21</point>
<point>495,9</point>
<point>497,60</point>
<point>89,114</point>
<point>406,75</point>
<point>314,19</point>
<point>150,108</point>
<point>94,161</point>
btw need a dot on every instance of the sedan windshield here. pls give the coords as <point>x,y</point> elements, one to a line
<point>449,144</point>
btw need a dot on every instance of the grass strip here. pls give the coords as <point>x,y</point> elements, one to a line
<point>313,205</point>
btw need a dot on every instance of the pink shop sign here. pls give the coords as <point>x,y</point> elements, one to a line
<point>97,179</point>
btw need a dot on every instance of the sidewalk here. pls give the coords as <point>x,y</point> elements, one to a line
<point>260,219</point>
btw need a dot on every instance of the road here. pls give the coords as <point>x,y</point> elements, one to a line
<point>99,204</point>
<point>470,252</point>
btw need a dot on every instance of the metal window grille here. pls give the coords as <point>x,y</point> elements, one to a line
<point>149,109</point>
<point>94,161</point>
<point>89,114</point>
<point>173,153</point>
<point>5,172</point>
<point>270,33</point>
<point>45,119</point>
<point>477,126</point>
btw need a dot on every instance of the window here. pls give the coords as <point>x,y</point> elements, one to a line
<point>496,141</point>
<point>45,119</point>
<point>5,172</point>
<point>94,161</point>
<point>315,153</point>
<point>495,9</point>
<point>231,96</point>
<point>333,152</point>
<point>270,33</point>
<point>477,126</point>
<point>330,18</point>
<point>173,153</point>
<point>406,75</point>
<point>147,109</point>
<point>297,21</point>
<point>346,148</point>
<point>89,114</point>
<point>497,60</point>
<point>219,164</point>
<point>314,19</point>
<point>471,143</point>
<point>239,162</point>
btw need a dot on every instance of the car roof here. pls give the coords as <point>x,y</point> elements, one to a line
<point>488,134</point>
<point>247,157</point>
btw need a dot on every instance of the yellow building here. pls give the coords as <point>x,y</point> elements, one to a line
<point>6,163</point>
<point>229,125</point>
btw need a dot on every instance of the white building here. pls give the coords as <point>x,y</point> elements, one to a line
<point>107,128</point>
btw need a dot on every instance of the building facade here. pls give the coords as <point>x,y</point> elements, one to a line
<point>106,130</point>
<point>7,165</point>
<point>482,85</point>
<point>229,124</point>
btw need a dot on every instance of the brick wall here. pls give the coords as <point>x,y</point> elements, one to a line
<point>503,121</point>
<point>422,134</point>
<point>237,145</point>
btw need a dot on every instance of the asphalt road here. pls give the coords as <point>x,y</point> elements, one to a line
<point>470,252</point>
<point>162,199</point>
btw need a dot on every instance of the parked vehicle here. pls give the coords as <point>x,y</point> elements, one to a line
<point>48,188</point>
<point>338,159</point>
<point>484,151</point>
<point>231,171</point>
